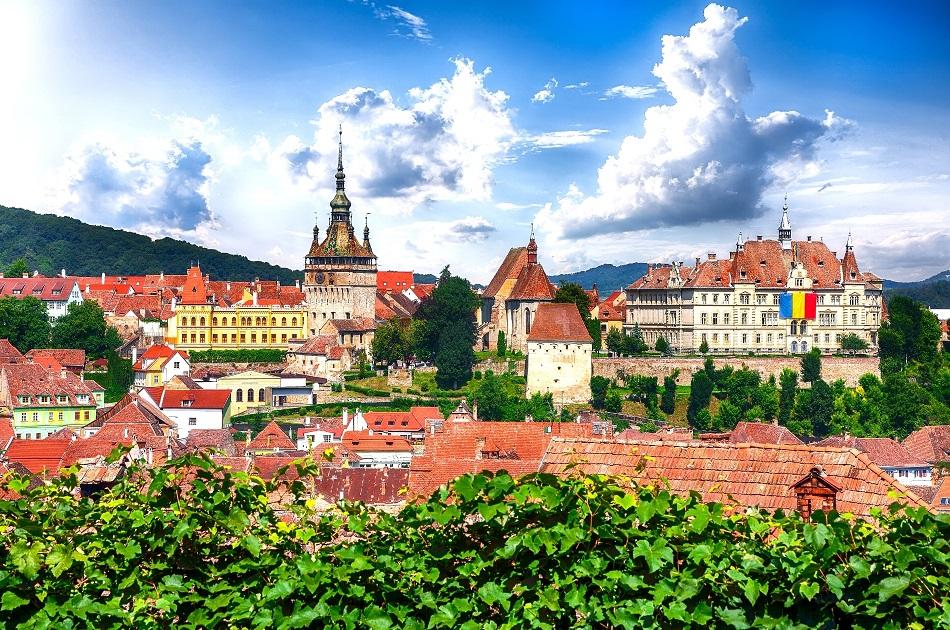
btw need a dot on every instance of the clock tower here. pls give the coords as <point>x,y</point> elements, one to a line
<point>339,272</point>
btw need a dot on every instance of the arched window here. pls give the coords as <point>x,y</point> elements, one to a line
<point>273,321</point>
<point>239,394</point>
<point>527,321</point>
<point>283,321</point>
<point>293,321</point>
<point>214,321</point>
<point>234,321</point>
<point>260,395</point>
<point>853,299</point>
<point>193,321</point>
<point>794,327</point>
<point>202,322</point>
<point>802,328</point>
<point>794,347</point>
<point>250,395</point>
<point>804,346</point>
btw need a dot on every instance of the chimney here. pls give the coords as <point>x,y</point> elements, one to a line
<point>809,238</point>
<point>306,421</point>
<point>475,409</point>
<point>697,261</point>
<point>254,297</point>
<point>125,432</point>
<point>758,237</point>
<point>62,272</point>
<point>227,285</point>
<point>135,354</point>
<point>479,446</point>
<point>149,456</point>
<point>26,275</point>
<point>103,277</point>
<point>297,283</point>
<point>711,255</point>
<point>346,417</point>
<point>528,417</point>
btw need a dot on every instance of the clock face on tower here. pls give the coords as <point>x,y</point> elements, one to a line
<point>319,277</point>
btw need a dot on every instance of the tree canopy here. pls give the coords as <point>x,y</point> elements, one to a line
<point>447,331</point>
<point>25,323</point>
<point>83,326</point>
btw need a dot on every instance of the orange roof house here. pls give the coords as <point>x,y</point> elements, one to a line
<point>271,439</point>
<point>559,322</point>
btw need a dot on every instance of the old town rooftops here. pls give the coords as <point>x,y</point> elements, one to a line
<point>881,451</point>
<point>32,385</point>
<point>46,289</point>
<point>930,443</point>
<point>753,475</point>
<point>510,268</point>
<point>559,322</point>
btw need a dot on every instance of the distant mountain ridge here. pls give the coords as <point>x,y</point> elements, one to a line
<point>933,291</point>
<point>608,278</point>
<point>50,243</point>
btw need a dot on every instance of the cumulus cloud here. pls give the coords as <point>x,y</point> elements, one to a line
<point>545,94</point>
<point>907,254</point>
<point>630,91</point>
<point>558,139</point>
<point>160,190</point>
<point>441,145</point>
<point>701,159</point>
<point>469,230</point>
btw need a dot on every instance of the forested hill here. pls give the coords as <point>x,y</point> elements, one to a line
<point>50,243</point>
<point>607,277</point>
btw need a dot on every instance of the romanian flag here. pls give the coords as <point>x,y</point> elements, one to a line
<point>797,305</point>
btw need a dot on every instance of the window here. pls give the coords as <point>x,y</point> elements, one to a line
<point>177,364</point>
<point>283,321</point>
<point>758,338</point>
<point>250,395</point>
<point>273,321</point>
<point>801,328</point>
<point>725,318</point>
<point>745,338</point>
<point>260,395</point>
<point>702,319</point>
<point>768,338</point>
<point>854,319</point>
<point>775,299</point>
<point>214,338</point>
<point>193,320</point>
<point>293,321</point>
<point>60,416</point>
<point>836,299</point>
<point>192,422</point>
<point>202,321</point>
<point>194,338</point>
<point>760,298</point>
<point>239,395</point>
<point>715,338</point>
<point>744,298</point>
<point>827,338</point>
<point>853,299</point>
<point>821,299</point>
<point>214,321</point>
<point>725,337</point>
<point>36,416</point>
<point>794,327</point>
<point>799,282</point>
<point>725,299</point>
<point>745,319</point>
<point>704,298</point>
<point>234,321</point>
<point>715,319</point>
<point>201,337</point>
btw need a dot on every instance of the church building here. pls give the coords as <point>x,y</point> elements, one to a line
<point>340,271</point>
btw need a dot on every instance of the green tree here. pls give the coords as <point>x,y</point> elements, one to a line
<point>84,327</point>
<point>390,343</point>
<point>904,402</point>
<point>910,334</point>
<point>668,402</point>
<point>17,268</point>
<point>662,345</point>
<point>788,386</point>
<point>613,402</point>
<point>854,343</point>
<point>767,399</point>
<point>491,397</point>
<point>633,343</point>
<point>598,391</point>
<point>813,411</point>
<point>741,387</point>
<point>704,347</point>
<point>615,341</point>
<point>728,416</point>
<point>811,365</point>
<point>24,322</point>
<point>701,388</point>
<point>502,349</point>
<point>449,330</point>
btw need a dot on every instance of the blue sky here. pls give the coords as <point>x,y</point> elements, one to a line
<point>646,131</point>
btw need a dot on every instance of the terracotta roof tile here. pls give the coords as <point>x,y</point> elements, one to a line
<point>509,269</point>
<point>271,437</point>
<point>38,456</point>
<point>762,433</point>
<point>532,284</point>
<point>558,322</point>
<point>55,289</point>
<point>881,451</point>
<point>66,357</point>
<point>759,475</point>
<point>930,443</point>
<point>9,353</point>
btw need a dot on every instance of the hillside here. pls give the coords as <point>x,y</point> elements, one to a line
<point>607,277</point>
<point>50,243</point>
<point>933,291</point>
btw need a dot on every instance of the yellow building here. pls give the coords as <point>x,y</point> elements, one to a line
<point>249,390</point>
<point>204,322</point>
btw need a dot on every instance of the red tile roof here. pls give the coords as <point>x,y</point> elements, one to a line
<point>510,268</point>
<point>9,353</point>
<point>881,451</point>
<point>393,421</point>
<point>6,432</point>
<point>558,322</point>
<point>394,280</point>
<point>532,284</point>
<point>762,433</point>
<point>47,289</point>
<point>271,437</point>
<point>66,357</point>
<point>219,440</point>
<point>190,398</point>
<point>468,447</point>
<point>758,475</point>
<point>39,456</point>
<point>366,441</point>
<point>930,443</point>
<point>194,290</point>
<point>613,309</point>
<point>32,381</point>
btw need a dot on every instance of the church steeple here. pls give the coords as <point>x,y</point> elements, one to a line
<point>785,227</point>
<point>532,248</point>
<point>340,205</point>
<point>366,234</point>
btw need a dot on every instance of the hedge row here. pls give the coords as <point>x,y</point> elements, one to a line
<point>542,552</point>
<point>261,355</point>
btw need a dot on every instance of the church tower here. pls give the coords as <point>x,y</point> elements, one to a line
<point>785,228</point>
<point>339,272</point>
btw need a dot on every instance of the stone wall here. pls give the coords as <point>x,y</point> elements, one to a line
<point>500,366</point>
<point>399,377</point>
<point>832,368</point>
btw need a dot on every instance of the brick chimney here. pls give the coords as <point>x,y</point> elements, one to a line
<point>479,447</point>
<point>815,493</point>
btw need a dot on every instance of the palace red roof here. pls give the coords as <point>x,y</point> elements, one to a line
<point>930,443</point>
<point>754,475</point>
<point>559,322</point>
<point>194,290</point>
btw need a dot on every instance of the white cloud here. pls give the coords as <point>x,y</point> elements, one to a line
<point>558,139</point>
<point>908,254</point>
<point>442,145</point>
<point>545,94</point>
<point>507,205</point>
<point>576,86</point>
<point>417,27</point>
<point>700,159</point>
<point>469,230</point>
<point>631,91</point>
